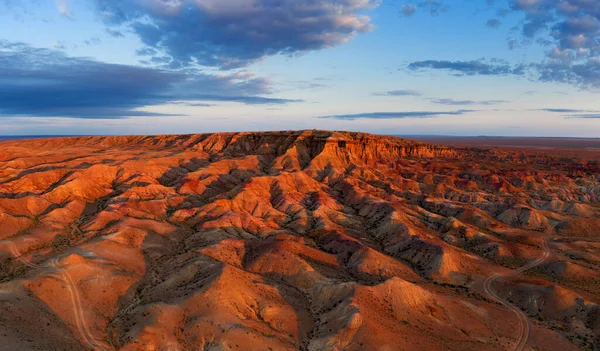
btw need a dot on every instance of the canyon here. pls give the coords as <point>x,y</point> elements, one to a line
<point>296,240</point>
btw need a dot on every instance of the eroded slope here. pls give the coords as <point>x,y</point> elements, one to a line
<point>307,240</point>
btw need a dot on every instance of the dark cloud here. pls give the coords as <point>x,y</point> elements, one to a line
<point>565,110</point>
<point>193,104</point>
<point>399,115</point>
<point>114,33</point>
<point>146,52</point>
<point>543,42</point>
<point>586,116</point>
<point>59,45</point>
<point>574,113</point>
<point>560,69</point>
<point>435,7</point>
<point>470,68</point>
<point>493,23</point>
<point>44,82</point>
<point>571,28</point>
<point>243,99</point>
<point>408,10</point>
<point>503,12</point>
<point>93,41</point>
<point>453,102</point>
<point>572,23</point>
<point>230,34</point>
<point>584,74</point>
<point>399,93</point>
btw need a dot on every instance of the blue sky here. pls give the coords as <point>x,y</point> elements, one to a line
<point>461,67</point>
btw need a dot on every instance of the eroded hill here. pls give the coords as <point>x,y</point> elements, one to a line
<point>307,240</point>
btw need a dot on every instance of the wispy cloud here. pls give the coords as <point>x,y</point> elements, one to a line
<point>399,93</point>
<point>114,33</point>
<point>408,10</point>
<point>59,45</point>
<point>93,41</point>
<point>191,104</point>
<point>398,115</point>
<point>493,23</point>
<point>574,113</point>
<point>565,110</point>
<point>584,74</point>
<point>470,68</point>
<point>453,102</point>
<point>64,7</point>
<point>585,116</point>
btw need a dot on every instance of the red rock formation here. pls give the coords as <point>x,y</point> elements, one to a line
<point>308,240</point>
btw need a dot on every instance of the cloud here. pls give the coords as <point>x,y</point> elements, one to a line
<point>470,68</point>
<point>64,7</point>
<point>45,82</point>
<point>450,102</point>
<point>584,74</point>
<point>560,69</point>
<point>493,23</point>
<point>398,115</point>
<point>572,24</point>
<point>408,10</point>
<point>574,113</point>
<point>93,41</point>
<point>453,102</point>
<point>114,33</point>
<point>399,93</point>
<point>234,33</point>
<point>585,116</point>
<point>313,84</point>
<point>59,45</point>
<point>565,110</point>
<point>435,7</point>
<point>571,28</point>
<point>191,104</point>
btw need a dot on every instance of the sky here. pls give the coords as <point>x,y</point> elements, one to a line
<point>422,67</point>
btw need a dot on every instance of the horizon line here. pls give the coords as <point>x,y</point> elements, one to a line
<point>448,136</point>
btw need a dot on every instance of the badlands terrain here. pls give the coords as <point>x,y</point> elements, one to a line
<point>308,240</point>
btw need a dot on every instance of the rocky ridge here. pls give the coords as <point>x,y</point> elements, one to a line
<point>297,240</point>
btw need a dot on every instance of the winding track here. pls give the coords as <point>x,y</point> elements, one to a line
<point>80,321</point>
<point>96,344</point>
<point>17,255</point>
<point>522,317</point>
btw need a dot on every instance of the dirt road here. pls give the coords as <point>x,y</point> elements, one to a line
<point>80,322</point>
<point>524,328</point>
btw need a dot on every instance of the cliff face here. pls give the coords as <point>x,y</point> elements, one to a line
<point>300,240</point>
<point>355,146</point>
